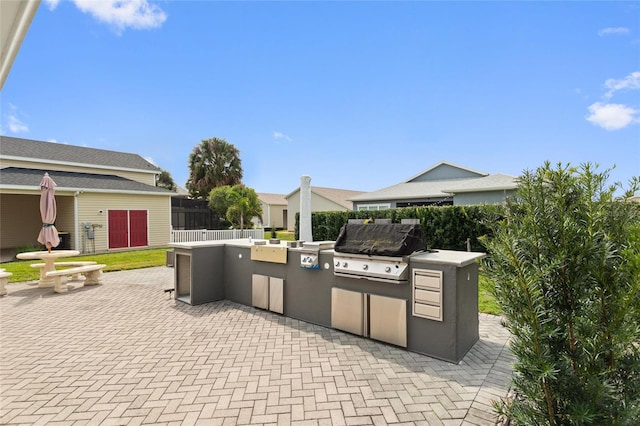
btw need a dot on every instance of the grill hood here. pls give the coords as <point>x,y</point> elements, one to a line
<point>381,239</point>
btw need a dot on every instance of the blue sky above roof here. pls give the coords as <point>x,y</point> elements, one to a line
<point>358,95</point>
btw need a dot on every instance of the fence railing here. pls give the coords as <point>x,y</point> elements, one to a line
<point>189,236</point>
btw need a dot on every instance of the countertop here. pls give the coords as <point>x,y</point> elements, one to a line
<point>449,257</point>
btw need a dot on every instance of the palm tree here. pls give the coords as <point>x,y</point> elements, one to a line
<point>213,163</point>
<point>165,180</point>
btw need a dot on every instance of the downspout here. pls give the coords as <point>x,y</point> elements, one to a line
<point>76,232</point>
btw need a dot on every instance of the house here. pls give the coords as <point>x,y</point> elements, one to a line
<point>274,211</point>
<point>322,200</point>
<point>15,19</point>
<point>105,200</point>
<point>444,183</point>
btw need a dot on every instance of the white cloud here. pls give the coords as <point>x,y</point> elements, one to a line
<point>120,14</point>
<point>630,82</point>
<point>52,4</point>
<point>613,31</point>
<point>149,159</point>
<point>16,126</point>
<point>280,135</point>
<point>14,123</point>
<point>612,116</point>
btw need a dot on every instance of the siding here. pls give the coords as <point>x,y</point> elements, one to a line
<point>90,205</point>
<point>445,172</point>
<point>272,215</point>
<point>489,197</point>
<point>318,204</point>
<point>146,178</point>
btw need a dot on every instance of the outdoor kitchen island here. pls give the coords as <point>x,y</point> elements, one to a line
<point>434,311</point>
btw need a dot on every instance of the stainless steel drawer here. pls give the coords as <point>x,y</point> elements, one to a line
<point>427,280</point>
<point>427,311</point>
<point>425,296</point>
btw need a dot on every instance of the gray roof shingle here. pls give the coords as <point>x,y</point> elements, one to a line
<point>440,188</point>
<point>18,176</point>
<point>56,152</point>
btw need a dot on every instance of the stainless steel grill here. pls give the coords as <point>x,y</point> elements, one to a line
<point>377,252</point>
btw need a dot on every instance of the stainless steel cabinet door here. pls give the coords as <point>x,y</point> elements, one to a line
<point>276,295</point>
<point>347,311</point>
<point>260,291</point>
<point>388,319</point>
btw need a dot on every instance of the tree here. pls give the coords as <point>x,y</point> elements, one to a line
<point>236,203</point>
<point>166,181</point>
<point>213,163</point>
<point>566,262</point>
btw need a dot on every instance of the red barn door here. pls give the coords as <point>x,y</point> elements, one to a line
<point>138,228</point>
<point>118,229</point>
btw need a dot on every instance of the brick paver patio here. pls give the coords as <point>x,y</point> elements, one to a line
<point>124,353</point>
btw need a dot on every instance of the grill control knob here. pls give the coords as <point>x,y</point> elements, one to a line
<point>337,263</point>
<point>387,269</point>
<point>365,267</point>
<point>345,264</point>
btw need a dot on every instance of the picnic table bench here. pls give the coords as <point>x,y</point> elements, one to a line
<point>91,272</point>
<point>43,271</point>
<point>4,275</point>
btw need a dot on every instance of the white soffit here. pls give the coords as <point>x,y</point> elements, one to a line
<point>15,18</point>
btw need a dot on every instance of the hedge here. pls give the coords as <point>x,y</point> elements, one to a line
<point>445,227</point>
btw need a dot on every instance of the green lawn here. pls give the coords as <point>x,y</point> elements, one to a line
<point>281,235</point>
<point>119,261</point>
<point>486,302</point>
<point>136,259</point>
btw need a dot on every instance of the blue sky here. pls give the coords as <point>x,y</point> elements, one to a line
<point>358,95</point>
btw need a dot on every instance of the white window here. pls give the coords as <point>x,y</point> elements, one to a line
<point>374,206</point>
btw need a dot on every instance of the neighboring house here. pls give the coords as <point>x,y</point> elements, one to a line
<point>441,184</point>
<point>322,200</point>
<point>274,211</point>
<point>105,199</point>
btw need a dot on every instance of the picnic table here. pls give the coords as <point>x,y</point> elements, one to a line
<point>49,259</point>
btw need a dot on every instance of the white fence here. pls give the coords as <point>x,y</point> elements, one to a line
<point>217,234</point>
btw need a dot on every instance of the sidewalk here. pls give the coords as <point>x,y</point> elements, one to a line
<point>124,353</point>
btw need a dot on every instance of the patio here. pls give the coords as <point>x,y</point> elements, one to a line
<point>123,353</point>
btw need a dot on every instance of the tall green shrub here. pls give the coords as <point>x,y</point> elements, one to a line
<point>445,227</point>
<point>566,262</point>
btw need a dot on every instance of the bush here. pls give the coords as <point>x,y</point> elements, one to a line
<point>446,227</point>
<point>566,265</point>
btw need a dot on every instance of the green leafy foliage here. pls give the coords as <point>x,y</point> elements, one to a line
<point>236,203</point>
<point>445,227</point>
<point>165,180</point>
<point>565,260</point>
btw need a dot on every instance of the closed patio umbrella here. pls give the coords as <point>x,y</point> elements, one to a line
<point>48,234</point>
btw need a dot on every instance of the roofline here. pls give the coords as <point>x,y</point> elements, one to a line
<point>88,165</point>
<point>36,189</point>
<point>19,28</point>
<point>448,163</point>
<point>491,188</point>
<point>387,198</point>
